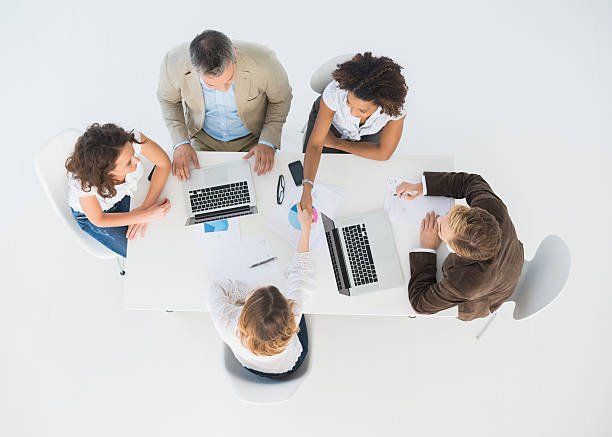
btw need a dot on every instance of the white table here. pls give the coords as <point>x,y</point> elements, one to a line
<point>166,269</point>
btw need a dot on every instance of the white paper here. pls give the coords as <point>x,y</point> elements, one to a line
<point>326,199</point>
<point>412,211</point>
<point>233,260</point>
<point>232,234</point>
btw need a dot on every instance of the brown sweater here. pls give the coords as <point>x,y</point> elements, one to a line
<point>478,287</point>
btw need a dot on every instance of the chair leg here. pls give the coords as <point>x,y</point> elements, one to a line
<point>121,264</point>
<point>480,334</point>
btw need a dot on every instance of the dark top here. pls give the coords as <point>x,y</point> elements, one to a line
<point>477,287</point>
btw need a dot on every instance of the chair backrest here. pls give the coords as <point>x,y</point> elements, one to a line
<point>542,278</point>
<point>255,389</point>
<point>323,75</point>
<point>49,165</point>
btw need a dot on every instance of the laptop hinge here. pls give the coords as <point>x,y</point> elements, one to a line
<point>220,215</point>
<point>341,264</point>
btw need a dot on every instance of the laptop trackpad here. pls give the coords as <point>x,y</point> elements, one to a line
<point>215,176</point>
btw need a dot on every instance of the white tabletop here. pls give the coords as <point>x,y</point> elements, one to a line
<point>166,269</point>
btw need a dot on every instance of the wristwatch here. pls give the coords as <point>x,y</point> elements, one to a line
<point>307,181</point>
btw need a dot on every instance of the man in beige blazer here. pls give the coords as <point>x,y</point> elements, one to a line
<point>223,95</point>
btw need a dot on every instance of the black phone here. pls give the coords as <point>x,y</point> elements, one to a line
<point>297,171</point>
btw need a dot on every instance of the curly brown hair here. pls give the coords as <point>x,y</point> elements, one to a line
<point>374,79</point>
<point>267,323</point>
<point>95,155</point>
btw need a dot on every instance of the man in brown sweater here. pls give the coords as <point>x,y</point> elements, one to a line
<point>487,257</point>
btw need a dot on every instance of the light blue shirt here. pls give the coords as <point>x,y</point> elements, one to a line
<point>221,119</point>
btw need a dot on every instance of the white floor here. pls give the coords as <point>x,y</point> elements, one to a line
<point>518,91</point>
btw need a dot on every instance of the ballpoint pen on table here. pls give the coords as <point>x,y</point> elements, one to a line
<point>265,261</point>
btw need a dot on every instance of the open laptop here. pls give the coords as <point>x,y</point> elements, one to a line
<point>219,192</point>
<point>363,253</point>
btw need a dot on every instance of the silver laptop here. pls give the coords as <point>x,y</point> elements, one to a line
<point>363,253</point>
<point>219,192</point>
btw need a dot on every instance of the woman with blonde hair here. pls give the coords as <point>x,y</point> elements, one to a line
<point>265,328</point>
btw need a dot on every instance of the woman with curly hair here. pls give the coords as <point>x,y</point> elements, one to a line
<point>103,172</point>
<point>360,112</point>
<point>265,328</point>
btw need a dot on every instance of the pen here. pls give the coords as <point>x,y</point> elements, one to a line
<point>265,261</point>
<point>412,193</point>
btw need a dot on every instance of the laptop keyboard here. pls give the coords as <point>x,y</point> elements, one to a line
<point>359,254</point>
<point>222,196</point>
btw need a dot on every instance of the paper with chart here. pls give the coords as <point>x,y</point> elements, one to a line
<point>221,230</point>
<point>326,199</point>
<point>225,260</point>
<point>412,211</point>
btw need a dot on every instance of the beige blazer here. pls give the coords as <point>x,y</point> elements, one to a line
<point>263,94</point>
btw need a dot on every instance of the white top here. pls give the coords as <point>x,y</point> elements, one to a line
<point>225,301</point>
<point>128,188</point>
<point>347,125</point>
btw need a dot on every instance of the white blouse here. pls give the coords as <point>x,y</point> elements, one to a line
<point>128,188</point>
<point>347,125</point>
<point>226,299</point>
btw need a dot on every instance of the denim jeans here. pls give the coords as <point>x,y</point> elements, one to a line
<point>303,337</point>
<point>112,238</point>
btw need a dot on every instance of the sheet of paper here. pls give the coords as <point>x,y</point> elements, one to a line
<point>326,199</point>
<point>412,211</point>
<point>223,230</point>
<point>233,260</point>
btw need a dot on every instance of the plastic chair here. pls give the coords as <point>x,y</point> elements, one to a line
<point>259,390</point>
<point>542,280</point>
<point>323,76</point>
<point>49,165</point>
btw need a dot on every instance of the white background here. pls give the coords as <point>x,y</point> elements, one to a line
<point>518,91</point>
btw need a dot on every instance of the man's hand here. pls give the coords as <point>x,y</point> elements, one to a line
<point>407,188</point>
<point>180,161</point>
<point>429,232</point>
<point>305,218</point>
<point>264,158</point>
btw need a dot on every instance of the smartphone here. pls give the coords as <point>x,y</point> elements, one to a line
<point>297,171</point>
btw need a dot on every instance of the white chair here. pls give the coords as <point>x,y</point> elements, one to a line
<point>323,76</point>
<point>51,171</point>
<point>259,390</point>
<point>541,281</point>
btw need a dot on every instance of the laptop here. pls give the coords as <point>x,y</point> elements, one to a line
<point>219,192</point>
<point>363,253</point>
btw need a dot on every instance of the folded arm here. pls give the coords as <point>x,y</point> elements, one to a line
<point>427,296</point>
<point>389,140</point>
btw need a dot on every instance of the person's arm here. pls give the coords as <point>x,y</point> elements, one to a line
<point>154,153</point>
<point>225,301</point>
<point>300,274</point>
<point>93,212</point>
<point>278,93</point>
<point>426,295</point>
<point>170,101</point>
<point>391,134</point>
<point>319,137</point>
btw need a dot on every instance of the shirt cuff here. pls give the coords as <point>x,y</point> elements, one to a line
<point>424,185</point>
<point>179,144</point>
<point>422,249</point>
<point>268,144</point>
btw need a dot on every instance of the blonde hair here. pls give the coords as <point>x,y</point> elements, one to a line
<point>267,323</point>
<point>477,233</point>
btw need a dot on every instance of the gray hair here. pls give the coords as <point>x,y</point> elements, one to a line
<point>210,51</point>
